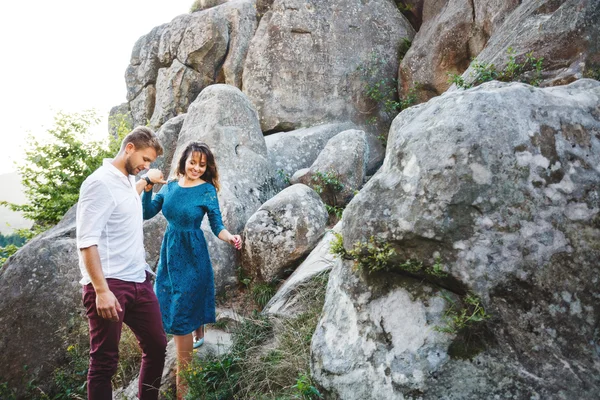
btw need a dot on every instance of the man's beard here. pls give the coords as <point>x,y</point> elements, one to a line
<point>128,167</point>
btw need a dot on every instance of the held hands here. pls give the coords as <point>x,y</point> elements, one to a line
<point>108,306</point>
<point>155,176</point>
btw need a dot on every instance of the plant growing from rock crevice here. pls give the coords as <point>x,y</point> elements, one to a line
<point>529,70</point>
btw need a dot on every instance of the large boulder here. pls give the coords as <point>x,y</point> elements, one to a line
<point>291,151</point>
<point>452,34</point>
<point>342,162</point>
<point>181,58</point>
<point>287,302</point>
<point>565,33</point>
<point>302,64</point>
<point>223,117</point>
<point>40,306</point>
<point>282,231</point>
<point>500,184</point>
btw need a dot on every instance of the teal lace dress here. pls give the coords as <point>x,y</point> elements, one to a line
<point>184,278</point>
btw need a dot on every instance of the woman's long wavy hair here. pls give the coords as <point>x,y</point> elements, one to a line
<point>211,174</point>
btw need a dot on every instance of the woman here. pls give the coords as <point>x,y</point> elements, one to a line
<point>184,283</point>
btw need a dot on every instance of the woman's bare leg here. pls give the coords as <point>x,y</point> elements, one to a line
<point>199,333</point>
<point>184,345</point>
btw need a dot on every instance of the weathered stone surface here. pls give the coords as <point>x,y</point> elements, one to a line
<point>286,301</point>
<point>154,231</point>
<point>206,4</point>
<point>345,158</point>
<point>453,32</point>
<point>142,106</point>
<point>376,339</point>
<point>168,135</point>
<point>291,151</point>
<point>223,117</point>
<point>282,231</point>
<point>300,70</point>
<point>176,87</point>
<point>191,52</point>
<point>144,64</point>
<point>40,292</point>
<point>566,33</point>
<point>501,182</point>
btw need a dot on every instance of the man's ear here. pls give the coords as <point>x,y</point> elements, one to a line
<point>129,148</point>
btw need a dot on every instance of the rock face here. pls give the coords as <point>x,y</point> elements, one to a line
<point>501,182</point>
<point>291,151</point>
<point>566,33</point>
<point>286,302</point>
<point>223,118</point>
<point>172,63</point>
<point>343,161</point>
<point>40,292</point>
<point>453,32</point>
<point>282,231</point>
<point>300,70</point>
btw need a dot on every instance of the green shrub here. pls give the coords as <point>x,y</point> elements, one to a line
<point>528,71</point>
<point>262,292</point>
<point>458,318</point>
<point>196,6</point>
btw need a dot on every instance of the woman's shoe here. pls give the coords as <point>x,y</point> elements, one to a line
<point>198,343</point>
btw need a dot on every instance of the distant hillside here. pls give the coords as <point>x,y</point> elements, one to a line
<point>11,190</point>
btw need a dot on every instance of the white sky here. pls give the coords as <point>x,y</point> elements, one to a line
<point>67,55</point>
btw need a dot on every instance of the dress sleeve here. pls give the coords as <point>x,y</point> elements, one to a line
<point>95,206</point>
<point>152,205</point>
<point>214,212</point>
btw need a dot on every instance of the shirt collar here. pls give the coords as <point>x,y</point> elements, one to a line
<point>107,163</point>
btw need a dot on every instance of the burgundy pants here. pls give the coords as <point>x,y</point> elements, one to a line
<point>142,314</point>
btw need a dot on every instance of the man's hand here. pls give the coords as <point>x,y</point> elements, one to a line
<point>108,306</point>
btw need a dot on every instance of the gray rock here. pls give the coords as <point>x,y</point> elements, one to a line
<point>565,33</point>
<point>142,106</point>
<point>452,34</point>
<point>40,292</point>
<point>345,159</point>
<point>223,117</point>
<point>282,231</point>
<point>191,52</point>
<point>176,87</point>
<point>286,301</point>
<point>501,182</point>
<point>200,5</point>
<point>291,151</point>
<point>300,70</point>
<point>168,135</point>
<point>377,338</point>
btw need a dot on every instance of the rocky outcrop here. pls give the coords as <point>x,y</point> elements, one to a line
<point>223,117</point>
<point>287,302</point>
<point>168,135</point>
<point>500,182</point>
<point>300,70</point>
<point>452,34</point>
<point>172,63</point>
<point>342,162</point>
<point>40,292</point>
<point>291,151</point>
<point>565,33</point>
<point>282,231</point>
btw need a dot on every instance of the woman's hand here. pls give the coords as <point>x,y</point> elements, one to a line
<point>236,240</point>
<point>156,176</point>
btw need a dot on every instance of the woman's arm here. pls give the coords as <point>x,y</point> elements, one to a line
<point>216,222</point>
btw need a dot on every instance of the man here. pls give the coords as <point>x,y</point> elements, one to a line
<point>116,281</point>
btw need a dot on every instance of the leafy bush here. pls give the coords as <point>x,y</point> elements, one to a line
<point>262,293</point>
<point>53,171</point>
<point>529,71</point>
<point>458,318</point>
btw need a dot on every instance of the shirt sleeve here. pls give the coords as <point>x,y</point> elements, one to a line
<point>96,204</point>
<point>153,204</point>
<point>214,212</point>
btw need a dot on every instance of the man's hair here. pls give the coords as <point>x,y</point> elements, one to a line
<point>142,137</point>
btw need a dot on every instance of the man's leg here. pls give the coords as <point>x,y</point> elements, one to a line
<point>104,346</point>
<point>144,319</point>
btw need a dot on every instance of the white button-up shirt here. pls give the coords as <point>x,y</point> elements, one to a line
<point>109,215</point>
